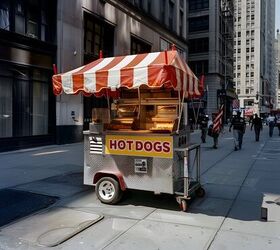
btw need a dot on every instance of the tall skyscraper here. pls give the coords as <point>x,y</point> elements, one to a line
<point>253,54</point>
<point>277,53</point>
<point>210,34</point>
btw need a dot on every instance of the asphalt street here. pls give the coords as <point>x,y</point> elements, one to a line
<point>228,217</point>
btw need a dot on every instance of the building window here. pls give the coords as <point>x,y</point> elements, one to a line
<point>199,45</point>
<point>162,11</point>
<point>4,15</point>
<point>199,67</point>
<point>198,4</point>
<point>171,15</point>
<point>181,24</point>
<point>19,18</point>
<point>99,35</point>
<point>24,102</point>
<point>30,18</point>
<point>149,6</point>
<point>199,23</point>
<point>139,46</point>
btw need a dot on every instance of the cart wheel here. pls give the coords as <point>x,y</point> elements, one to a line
<point>108,190</point>
<point>200,192</point>
<point>183,205</point>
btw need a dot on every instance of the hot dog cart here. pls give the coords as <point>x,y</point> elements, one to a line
<point>141,140</point>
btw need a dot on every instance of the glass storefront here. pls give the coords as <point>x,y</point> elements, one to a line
<point>24,101</point>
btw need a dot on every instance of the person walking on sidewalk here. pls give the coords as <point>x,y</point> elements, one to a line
<point>271,123</point>
<point>257,124</point>
<point>278,124</point>
<point>203,125</point>
<point>239,126</point>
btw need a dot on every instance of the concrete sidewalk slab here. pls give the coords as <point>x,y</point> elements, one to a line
<point>88,202</point>
<point>51,227</point>
<point>255,194</point>
<point>224,179</point>
<point>245,217</point>
<point>190,218</point>
<point>211,206</point>
<point>100,235</point>
<point>150,235</point>
<point>227,192</point>
<point>226,240</point>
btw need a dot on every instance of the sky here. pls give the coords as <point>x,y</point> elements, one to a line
<point>277,15</point>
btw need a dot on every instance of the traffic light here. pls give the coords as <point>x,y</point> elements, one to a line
<point>257,96</point>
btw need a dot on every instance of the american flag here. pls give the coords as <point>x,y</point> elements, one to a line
<point>218,121</point>
<point>235,104</point>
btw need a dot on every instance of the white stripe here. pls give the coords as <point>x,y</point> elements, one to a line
<point>181,64</point>
<point>185,84</point>
<point>140,75</point>
<point>114,74</point>
<point>178,78</point>
<point>196,90</point>
<point>190,85</point>
<point>90,77</point>
<point>67,80</point>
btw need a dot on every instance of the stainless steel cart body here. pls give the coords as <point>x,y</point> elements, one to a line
<point>174,172</point>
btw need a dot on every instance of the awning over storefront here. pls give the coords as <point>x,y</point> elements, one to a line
<point>155,70</point>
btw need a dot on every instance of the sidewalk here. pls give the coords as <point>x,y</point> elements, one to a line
<point>228,217</point>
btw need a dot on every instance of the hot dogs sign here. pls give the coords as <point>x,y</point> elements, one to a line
<point>152,146</point>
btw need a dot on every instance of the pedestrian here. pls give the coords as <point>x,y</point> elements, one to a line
<point>257,124</point>
<point>239,126</point>
<point>271,123</point>
<point>278,124</point>
<point>203,125</point>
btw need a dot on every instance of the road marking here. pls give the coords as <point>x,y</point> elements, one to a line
<point>50,152</point>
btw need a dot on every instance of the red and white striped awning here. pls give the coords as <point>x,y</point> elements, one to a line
<point>151,69</point>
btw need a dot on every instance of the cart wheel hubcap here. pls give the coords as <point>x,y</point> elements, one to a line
<point>106,190</point>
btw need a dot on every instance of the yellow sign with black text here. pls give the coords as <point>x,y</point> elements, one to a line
<point>149,146</point>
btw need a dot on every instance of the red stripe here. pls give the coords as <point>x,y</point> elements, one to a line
<point>127,72</point>
<point>78,77</point>
<point>102,74</point>
<point>57,85</point>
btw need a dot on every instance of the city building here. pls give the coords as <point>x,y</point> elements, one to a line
<point>253,55</point>
<point>34,35</point>
<point>277,53</point>
<point>27,53</point>
<point>210,36</point>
